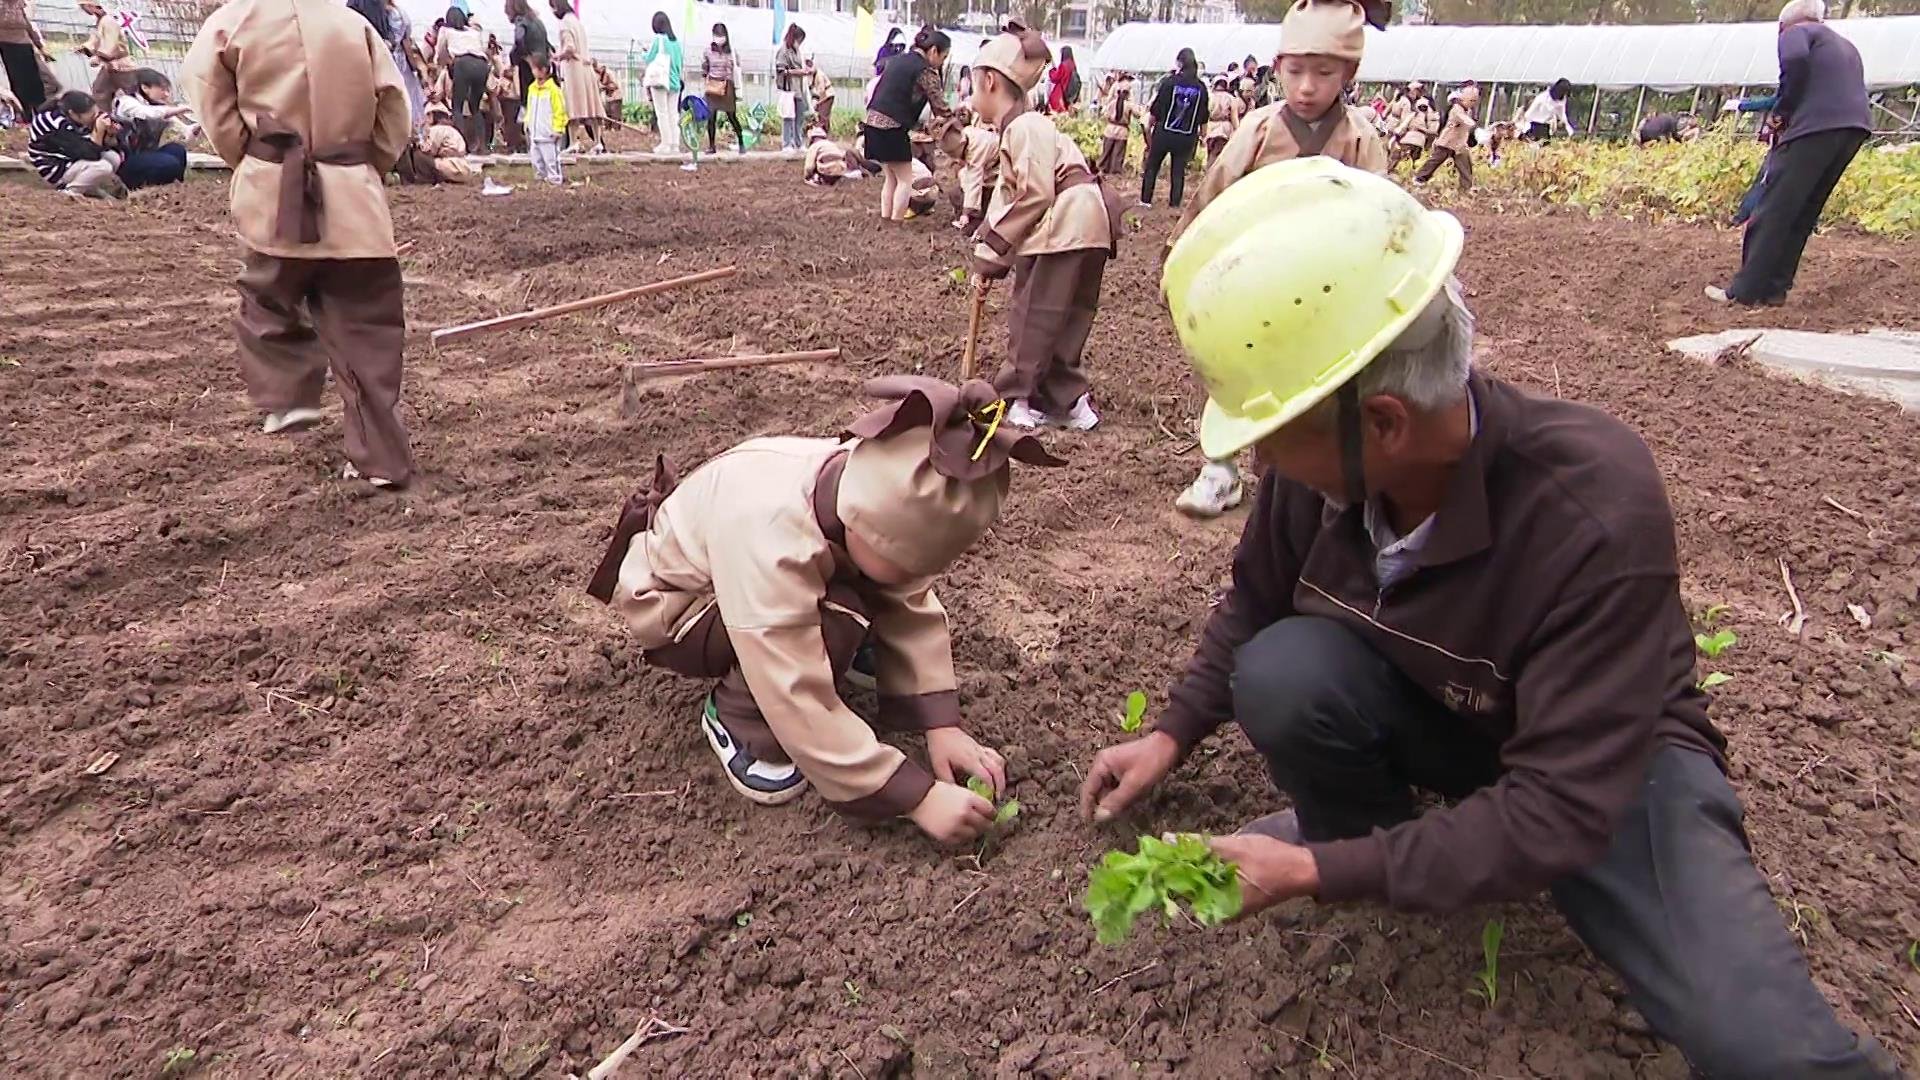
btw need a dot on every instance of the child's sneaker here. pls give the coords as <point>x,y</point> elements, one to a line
<point>291,420</point>
<point>1082,417</point>
<point>764,782</point>
<point>861,672</point>
<point>490,186</point>
<point>1215,491</point>
<point>352,473</point>
<point>1022,415</point>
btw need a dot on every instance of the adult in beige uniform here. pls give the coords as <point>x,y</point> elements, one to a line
<point>768,566</point>
<point>320,280</point>
<point>1321,42</point>
<point>1053,226</point>
<point>106,49</point>
<point>1455,141</point>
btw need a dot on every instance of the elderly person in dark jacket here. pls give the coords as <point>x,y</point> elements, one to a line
<point>1823,98</point>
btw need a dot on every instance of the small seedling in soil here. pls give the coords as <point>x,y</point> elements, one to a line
<point>1713,614</point>
<point>1713,679</point>
<point>1712,645</point>
<point>1162,876</point>
<point>1005,812</point>
<point>1487,979</point>
<point>1913,956</point>
<point>1136,713</point>
<point>743,920</point>
<point>853,992</point>
<point>179,1060</point>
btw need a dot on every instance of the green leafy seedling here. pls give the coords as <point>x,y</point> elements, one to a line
<point>1712,645</point>
<point>1136,713</point>
<point>1005,812</point>
<point>1713,679</point>
<point>1713,614</point>
<point>1487,979</point>
<point>178,1061</point>
<point>1913,956</point>
<point>1161,876</point>
<point>958,275</point>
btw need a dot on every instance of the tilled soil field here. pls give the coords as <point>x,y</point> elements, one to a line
<point>393,798</point>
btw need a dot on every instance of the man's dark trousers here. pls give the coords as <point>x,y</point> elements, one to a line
<point>1676,906</point>
<point>1801,176</point>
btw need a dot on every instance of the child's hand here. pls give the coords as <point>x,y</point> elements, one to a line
<point>953,754</point>
<point>952,815</point>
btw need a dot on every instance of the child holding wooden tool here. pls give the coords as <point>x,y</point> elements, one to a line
<point>1320,46</point>
<point>1050,223</point>
<point>770,565</point>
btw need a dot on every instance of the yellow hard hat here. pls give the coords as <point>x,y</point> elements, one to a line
<point>1291,282</point>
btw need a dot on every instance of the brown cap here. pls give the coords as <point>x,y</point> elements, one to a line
<point>1018,53</point>
<point>1334,28</point>
<point>927,478</point>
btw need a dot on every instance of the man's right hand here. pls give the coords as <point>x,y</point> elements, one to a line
<point>952,815</point>
<point>1123,773</point>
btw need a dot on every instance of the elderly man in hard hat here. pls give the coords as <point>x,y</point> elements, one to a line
<point>1449,584</point>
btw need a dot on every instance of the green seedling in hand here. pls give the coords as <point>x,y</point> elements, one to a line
<point>1712,645</point>
<point>1136,712</point>
<point>1161,876</point>
<point>1487,979</point>
<point>1713,679</point>
<point>1005,812</point>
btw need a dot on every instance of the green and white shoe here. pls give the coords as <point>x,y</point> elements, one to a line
<point>765,782</point>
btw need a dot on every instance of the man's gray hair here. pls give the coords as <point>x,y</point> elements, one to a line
<point>1800,11</point>
<point>1427,366</point>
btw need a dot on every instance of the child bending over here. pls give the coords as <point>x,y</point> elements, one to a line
<point>771,565</point>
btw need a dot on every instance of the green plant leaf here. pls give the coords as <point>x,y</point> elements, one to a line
<point>1713,679</point>
<point>1136,713</point>
<point>1161,876</point>
<point>1007,812</point>
<point>980,787</point>
<point>1713,613</point>
<point>1712,645</point>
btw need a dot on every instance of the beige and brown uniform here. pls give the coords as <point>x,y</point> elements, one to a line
<point>106,49</point>
<point>1053,225</point>
<point>440,153</point>
<point>320,284</point>
<point>1452,145</point>
<point>1224,113</point>
<point>740,572</point>
<point>826,160</point>
<point>1335,28</point>
<point>1118,111</point>
<point>1417,132</point>
<point>976,146</point>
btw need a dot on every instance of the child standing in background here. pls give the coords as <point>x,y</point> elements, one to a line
<point>1050,223</point>
<point>1320,46</point>
<point>1118,110</point>
<point>545,116</point>
<point>1224,110</point>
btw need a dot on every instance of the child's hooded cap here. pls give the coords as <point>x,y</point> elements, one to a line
<point>1018,53</point>
<point>927,478</point>
<point>1335,28</point>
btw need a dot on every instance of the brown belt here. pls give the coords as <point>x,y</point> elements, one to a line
<point>299,216</point>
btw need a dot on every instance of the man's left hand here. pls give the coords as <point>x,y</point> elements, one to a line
<point>986,269</point>
<point>1270,870</point>
<point>955,755</point>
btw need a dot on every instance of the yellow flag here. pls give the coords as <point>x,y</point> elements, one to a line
<point>862,30</point>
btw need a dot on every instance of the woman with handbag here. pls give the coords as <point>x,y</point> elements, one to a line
<point>586,108</point>
<point>663,78</point>
<point>911,84</point>
<point>791,74</point>
<point>723,92</point>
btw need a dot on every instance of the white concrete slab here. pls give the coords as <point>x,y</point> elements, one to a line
<point>1883,363</point>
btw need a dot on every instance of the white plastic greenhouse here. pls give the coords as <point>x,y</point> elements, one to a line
<point>1668,58</point>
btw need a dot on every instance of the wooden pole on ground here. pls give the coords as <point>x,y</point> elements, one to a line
<point>528,318</point>
<point>974,317</point>
<point>661,369</point>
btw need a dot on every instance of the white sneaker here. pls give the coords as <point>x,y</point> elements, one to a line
<point>690,167</point>
<point>1215,491</point>
<point>765,782</point>
<point>1022,415</point>
<point>351,473</point>
<point>490,186</point>
<point>291,420</point>
<point>1082,417</point>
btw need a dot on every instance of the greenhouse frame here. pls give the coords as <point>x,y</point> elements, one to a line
<point>1684,66</point>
